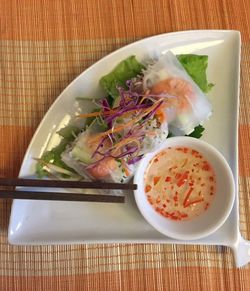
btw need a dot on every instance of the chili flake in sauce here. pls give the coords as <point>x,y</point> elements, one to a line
<point>180,183</point>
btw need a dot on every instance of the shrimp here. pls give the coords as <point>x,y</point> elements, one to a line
<point>179,88</point>
<point>103,168</point>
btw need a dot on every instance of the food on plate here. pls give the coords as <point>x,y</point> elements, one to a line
<point>190,107</point>
<point>145,104</point>
<point>180,183</point>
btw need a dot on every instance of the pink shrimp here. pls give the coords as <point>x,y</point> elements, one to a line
<point>103,168</point>
<point>179,88</point>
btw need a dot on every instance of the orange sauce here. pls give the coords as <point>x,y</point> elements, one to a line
<point>180,183</point>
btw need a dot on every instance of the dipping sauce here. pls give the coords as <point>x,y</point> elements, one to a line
<point>180,183</point>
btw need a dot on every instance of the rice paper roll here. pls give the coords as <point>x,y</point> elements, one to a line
<point>110,168</point>
<point>186,106</point>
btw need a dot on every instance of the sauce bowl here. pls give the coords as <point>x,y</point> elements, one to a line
<point>208,221</point>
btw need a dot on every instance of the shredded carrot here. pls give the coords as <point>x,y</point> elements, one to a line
<point>156,179</point>
<point>126,141</point>
<point>127,172</point>
<point>193,202</point>
<point>160,116</point>
<point>158,200</point>
<point>92,114</point>
<point>132,121</point>
<point>185,162</point>
<point>108,112</point>
<point>146,96</point>
<point>172,168</point>
<point>128,113</point>
<point>148,188</point>
<point>187,196</point>
<point>182,179</point>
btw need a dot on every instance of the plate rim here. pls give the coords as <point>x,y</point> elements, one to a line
<point>13,240</point>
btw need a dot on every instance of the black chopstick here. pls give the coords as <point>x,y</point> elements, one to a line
<point>65,184</point>
<point>59,196</point>
<point>63,196</point>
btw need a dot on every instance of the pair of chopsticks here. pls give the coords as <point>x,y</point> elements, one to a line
<point>59,196</point>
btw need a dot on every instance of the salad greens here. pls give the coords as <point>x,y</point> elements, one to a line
<point>124,71</point>
<point>127,69</point>
<point>53,156</point>
<point>197,133</point>
<point>196,67</point>
<point>69,132</point>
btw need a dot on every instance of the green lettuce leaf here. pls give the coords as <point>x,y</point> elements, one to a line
<point>197,133</point>
<point>196,67</point>
<point>125,70</point>
<point>69,132</point>
<point>53,157</point>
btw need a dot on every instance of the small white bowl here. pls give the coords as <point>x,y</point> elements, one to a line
<point>209,221</point>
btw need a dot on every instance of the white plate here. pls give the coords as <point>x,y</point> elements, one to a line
<point>47,222</point>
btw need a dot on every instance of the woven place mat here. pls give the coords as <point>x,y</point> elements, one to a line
<point>24,100</point>
<point>38,59</point>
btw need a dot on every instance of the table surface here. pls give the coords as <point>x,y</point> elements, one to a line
<point>44,45</point>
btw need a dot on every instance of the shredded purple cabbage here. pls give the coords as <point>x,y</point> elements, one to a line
<point>130,101</point>
<point>101,144</point>
<point>135,160</point>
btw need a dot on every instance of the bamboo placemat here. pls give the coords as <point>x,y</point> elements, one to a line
<point>44,45</point>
